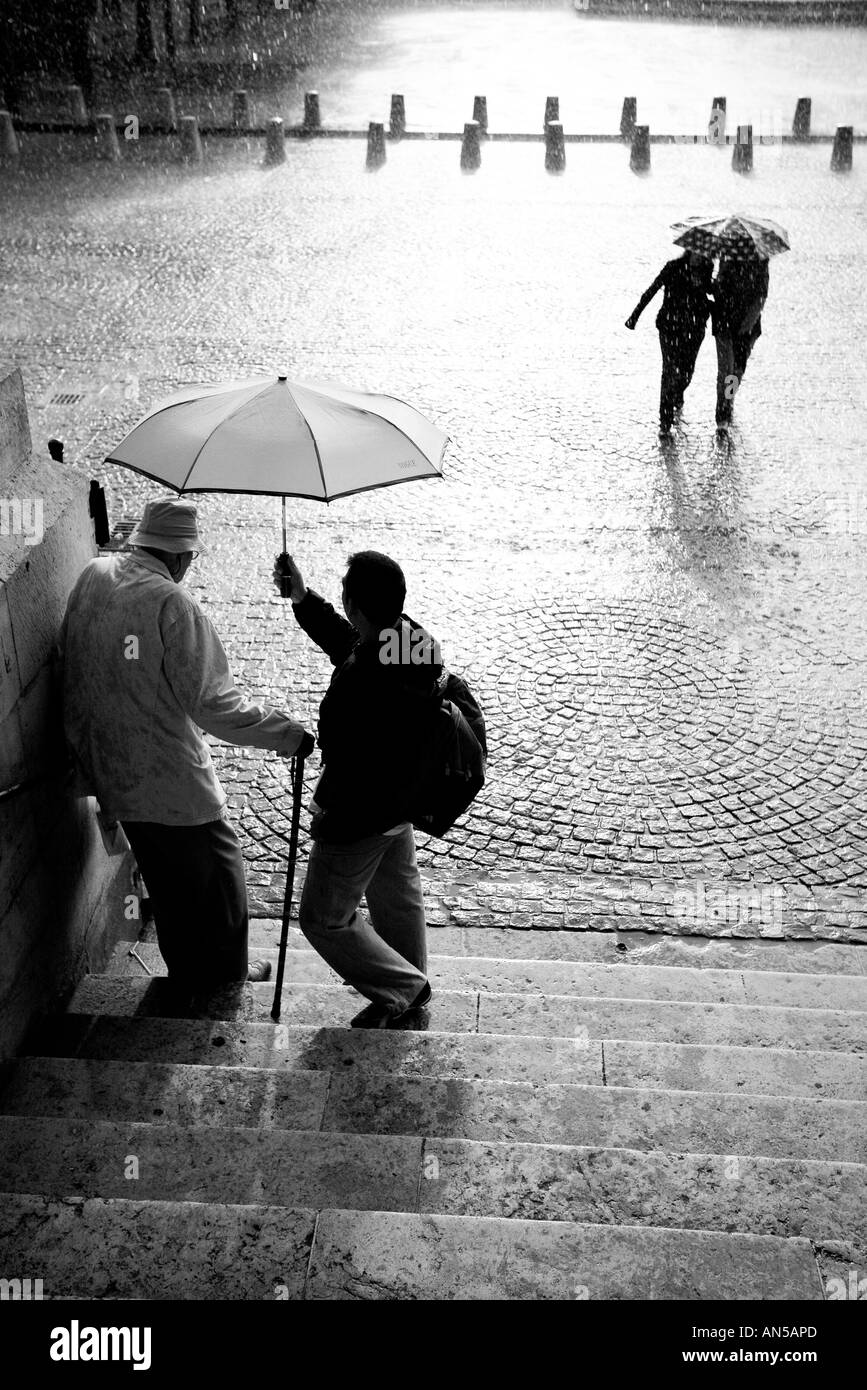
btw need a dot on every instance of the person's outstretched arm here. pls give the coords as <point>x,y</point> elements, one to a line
<point>323,625</point>
<point>646,298</point>
<point>197,670</point>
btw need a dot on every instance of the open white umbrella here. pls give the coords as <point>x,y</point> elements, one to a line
<point>282,438</point>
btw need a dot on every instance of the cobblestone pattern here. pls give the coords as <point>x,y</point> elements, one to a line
<point>668,641</point>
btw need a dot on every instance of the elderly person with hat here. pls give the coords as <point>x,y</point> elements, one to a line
<point>144,672</point>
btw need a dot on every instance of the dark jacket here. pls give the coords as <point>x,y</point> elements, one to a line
<point>685,304</point>
<point>739,293</point>
<point>370,722</point>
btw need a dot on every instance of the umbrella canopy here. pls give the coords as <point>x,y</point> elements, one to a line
<point>278,437</point>
<point>738,235</point>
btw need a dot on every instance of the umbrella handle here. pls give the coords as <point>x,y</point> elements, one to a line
<point>297,791</point>
<point>283,499</point>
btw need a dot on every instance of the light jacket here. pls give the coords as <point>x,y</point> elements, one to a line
<point>144,672</point>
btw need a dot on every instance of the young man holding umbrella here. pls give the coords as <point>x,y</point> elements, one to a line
<point>739,290</point>
<point>370,724</point>
<point>143,672</point>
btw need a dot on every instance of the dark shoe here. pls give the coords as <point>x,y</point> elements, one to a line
<point>258,970</point>
<point>409,1017</point>
<point>176,999</point>
<point>380,1016</point>
<point>374,1016</point>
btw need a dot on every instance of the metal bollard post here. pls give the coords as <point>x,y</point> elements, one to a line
<point>397,118</point>
<point>742,155</point>
<point>166,115</point>
<point>555,148</point>
<point>552,112</point>
<point>312,119</point>
<point>375,145</point>
<point>480,115</point>
<point>191,141</point>
<point>639,157</point>
<point>801,123</point>
<point>75,104</point>
<point>107,146</point>
<point>841,154</point>
<point>471,150</point>
<point>9,148</point>
<point>275,141</point>
<point>241,115</point>
<point>628,117</point>
<point>716,126</point>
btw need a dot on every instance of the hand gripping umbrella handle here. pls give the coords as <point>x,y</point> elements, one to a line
<point>297,775</point>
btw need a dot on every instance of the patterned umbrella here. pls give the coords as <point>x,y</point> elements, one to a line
<point>738,236</point>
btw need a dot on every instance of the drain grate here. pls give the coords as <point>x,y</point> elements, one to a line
<point>68,398</point>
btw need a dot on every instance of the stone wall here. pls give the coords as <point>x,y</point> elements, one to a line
<point>59,891</point>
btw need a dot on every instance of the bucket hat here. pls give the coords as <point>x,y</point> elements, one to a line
<point>169,525</point>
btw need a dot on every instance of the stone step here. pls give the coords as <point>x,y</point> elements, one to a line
<point>821,1201</point>
<point>620,1117</point>
<point>165,1093</point>
<point>613,948</point>
<point>119,1248</point>
<point>569,1016</point>
<point>635,947</point>
<point>393,1255</point>
<point>582,978</point>
<point>661,1066</point>
<point>612,1117</point>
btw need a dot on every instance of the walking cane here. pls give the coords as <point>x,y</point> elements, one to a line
<point>297,773</point>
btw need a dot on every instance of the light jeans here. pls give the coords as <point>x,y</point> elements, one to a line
<point>385,959</point>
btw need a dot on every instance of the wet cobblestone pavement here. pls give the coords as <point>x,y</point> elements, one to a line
<point>669,640</point>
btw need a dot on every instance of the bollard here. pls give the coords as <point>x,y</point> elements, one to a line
<point>107,146</point>
<point>312,119</point>
<point>191,142</point>
<point>8,139</point>
<point>75,104</point>
<point>801,123</point>
<point>716,126</point>
<point>397,118</point>
<point>375,145</point>
<point>275,141</point>
<point>639,158</point>
<point>552,112</point>
<point>166,116</point>
<point>628,117</point>
<point>471,150</point>
<point>555,148</point>
<point>841,154</point>
<point>742,155</point>
<point>241,115</point>
<point>480,115</point>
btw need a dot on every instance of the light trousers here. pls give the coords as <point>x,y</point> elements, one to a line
<point>384,958</point>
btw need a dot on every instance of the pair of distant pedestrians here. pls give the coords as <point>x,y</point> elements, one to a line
<point>145,675</point>
<point>733,301</point>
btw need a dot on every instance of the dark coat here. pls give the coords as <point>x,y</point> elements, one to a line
<point>370,722</point>
<point>685,304</point>
<point>739,293</point>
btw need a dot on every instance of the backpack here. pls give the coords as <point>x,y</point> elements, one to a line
<point>452,762</point>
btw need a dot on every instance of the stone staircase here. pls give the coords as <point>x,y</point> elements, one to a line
<point>590,1116</point>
